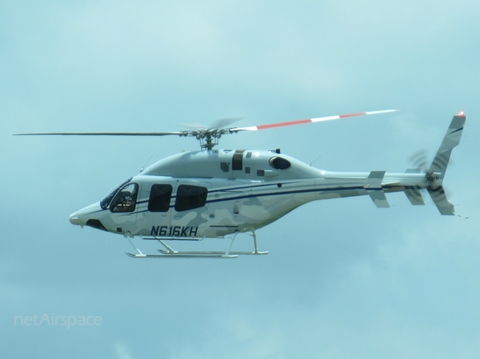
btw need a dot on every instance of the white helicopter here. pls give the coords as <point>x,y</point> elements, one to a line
<point>213,193</point>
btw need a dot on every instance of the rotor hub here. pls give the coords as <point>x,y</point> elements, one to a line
<point>432,176</point>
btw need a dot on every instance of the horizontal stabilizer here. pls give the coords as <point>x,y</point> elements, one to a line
<point>373,185</point>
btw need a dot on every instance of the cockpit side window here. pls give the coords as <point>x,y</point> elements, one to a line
<point>126,199</point>
<point>190,197</point>
<point>106,201</point>
<point>160,196</point>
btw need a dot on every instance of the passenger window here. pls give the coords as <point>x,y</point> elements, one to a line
<point>190,197</point>
<point>125,199</point>
<point>224,166</point>
<point>160,195</point>
<point>237,160</point>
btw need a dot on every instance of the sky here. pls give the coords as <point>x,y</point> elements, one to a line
<point>343,279</point>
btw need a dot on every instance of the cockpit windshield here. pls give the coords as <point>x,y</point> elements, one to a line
<point>106,201</point>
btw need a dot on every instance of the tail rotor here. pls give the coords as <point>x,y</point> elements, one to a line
<point>435,173</point>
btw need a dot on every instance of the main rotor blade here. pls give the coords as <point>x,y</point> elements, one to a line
<point>208,137</point>
<point>180,133</point>
<point>309,120</point>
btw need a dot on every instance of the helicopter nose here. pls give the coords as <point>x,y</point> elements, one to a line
<point>78,218</point>
<point>82,216</point>
<point>74,219</point>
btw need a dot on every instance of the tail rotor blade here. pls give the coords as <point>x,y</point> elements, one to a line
<point>419,160</point>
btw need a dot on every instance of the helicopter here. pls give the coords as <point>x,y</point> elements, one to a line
<point>220,193</point>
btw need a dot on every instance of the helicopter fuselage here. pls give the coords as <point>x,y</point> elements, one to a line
<point>213,193</point>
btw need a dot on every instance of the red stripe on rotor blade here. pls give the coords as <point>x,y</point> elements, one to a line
<point>353,115</point>
<point>281,124</point>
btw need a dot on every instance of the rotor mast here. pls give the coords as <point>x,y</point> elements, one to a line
<point>209,137</point>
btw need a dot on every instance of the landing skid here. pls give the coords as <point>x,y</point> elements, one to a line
<point>169,252</point>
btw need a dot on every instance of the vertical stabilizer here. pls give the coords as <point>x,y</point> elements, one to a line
<point>438,168</point>
<point>450,141</point>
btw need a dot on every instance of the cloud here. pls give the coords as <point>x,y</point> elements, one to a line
<point>122,351</point>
